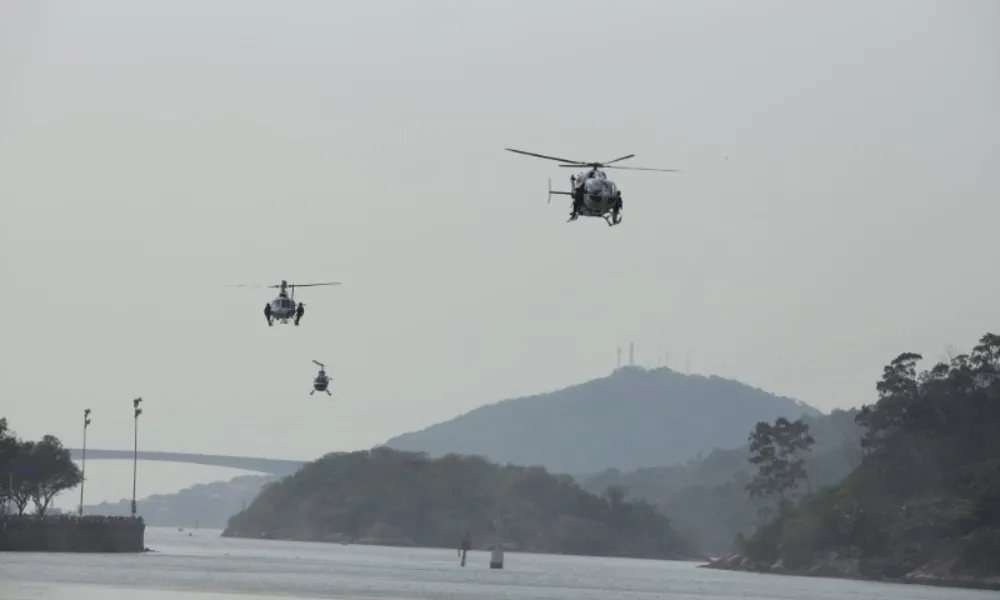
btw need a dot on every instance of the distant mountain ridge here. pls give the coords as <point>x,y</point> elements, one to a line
<point>632,419</point>
<point>207,505</point>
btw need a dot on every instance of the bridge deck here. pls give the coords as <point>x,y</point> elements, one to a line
<point>274,466</point>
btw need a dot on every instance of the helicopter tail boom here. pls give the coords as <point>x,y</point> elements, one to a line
<point>555,192</point>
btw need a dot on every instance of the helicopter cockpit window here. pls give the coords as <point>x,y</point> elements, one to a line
<point>287,303</point>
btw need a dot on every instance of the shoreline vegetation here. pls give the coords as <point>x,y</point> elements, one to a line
<point>923,504</point>
<point>397,498</point>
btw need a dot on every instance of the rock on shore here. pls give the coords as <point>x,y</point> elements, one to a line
<point>941,573</point>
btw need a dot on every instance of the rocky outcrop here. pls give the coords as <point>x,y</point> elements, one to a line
<point>939,573</point>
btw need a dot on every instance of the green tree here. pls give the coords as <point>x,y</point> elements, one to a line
<point>34,471</point>
<point>897,391</point>
<point>54,471</point>
<point>8,450</point>
<point>778,451</point>
<point>21,475</point>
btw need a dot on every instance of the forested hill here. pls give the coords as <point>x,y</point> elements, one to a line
<point>632,419</point>
<point>388,497</point>
<point>924,502</point>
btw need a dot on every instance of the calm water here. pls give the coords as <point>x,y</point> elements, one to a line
<point>207,567</point>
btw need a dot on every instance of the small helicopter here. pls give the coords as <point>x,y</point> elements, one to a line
<point>594,195</point>
<point>283,307</point>
<point>322,381</point>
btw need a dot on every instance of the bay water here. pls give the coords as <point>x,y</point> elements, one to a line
<point>201,565</point>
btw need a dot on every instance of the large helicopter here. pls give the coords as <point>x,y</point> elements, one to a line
<point>594,195</point>
<point>322,380</point>
<point>283,307</point>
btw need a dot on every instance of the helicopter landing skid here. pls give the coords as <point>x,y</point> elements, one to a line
<point>611,219</point>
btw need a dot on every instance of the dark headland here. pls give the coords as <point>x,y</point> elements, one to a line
<point>923,504</point>
<point>391,497</point>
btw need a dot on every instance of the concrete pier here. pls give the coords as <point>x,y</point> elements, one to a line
<point>63,533</point>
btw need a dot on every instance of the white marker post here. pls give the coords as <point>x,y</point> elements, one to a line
<point>496,558</point>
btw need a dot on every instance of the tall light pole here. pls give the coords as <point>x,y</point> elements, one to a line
<point>83,467</point>
<point>135,451</point>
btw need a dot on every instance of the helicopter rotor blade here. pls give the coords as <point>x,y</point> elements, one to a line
<point>610,162</point>
<point>310,284</point>
<point>556,158</point>
<point>321,365</point>
<point>647,169</point>
<point>626,168</point>
<point>276,286</point>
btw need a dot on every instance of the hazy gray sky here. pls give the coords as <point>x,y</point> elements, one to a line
<point>838,206</point>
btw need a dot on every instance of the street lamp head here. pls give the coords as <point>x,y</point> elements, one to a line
<point>86,412</point>
<point>138,412</point>
<point>136,402</point>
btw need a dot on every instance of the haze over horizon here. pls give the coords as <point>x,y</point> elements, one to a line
<point>837,207</point>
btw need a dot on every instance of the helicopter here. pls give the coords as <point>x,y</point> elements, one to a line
<point>594,195</point>
<point>322,381</point>
<point>283,307</point>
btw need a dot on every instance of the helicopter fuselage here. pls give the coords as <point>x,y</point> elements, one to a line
<point>321,382</point>
<point>600,196</point>
<point>283,308</point>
